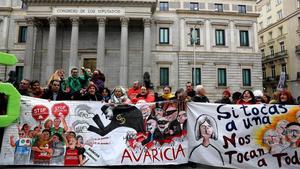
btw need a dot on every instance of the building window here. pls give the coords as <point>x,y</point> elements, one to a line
<point>273,72</point>
<point>222,79</point>
<point>280,30</point>
<point>194,6</point>
<point>23,6</point>
<point>164,35</point>
<point>264,73</point>
<point>246,77</point>
<point>269,21</point>
<point>271,50</point>
<point>198,76</point>
<point>195,39</point>
<point>244,38</point>
<point>219,7</point>
<point>283,68</point>
<point>19,73</point>
<point>22,34</point>
<point>262,52</point>
<point>242,8</point>
<point>282,47</point>
<point>270,35</point>
<point>261,39</point>
<point>298,3</point>
<point>268,7</point>
<point>279,14</point>
<point>261,25</point>
<point>278,2</point>
<point>164,76</point>
<point>220,37</point>
<point>164,6</point>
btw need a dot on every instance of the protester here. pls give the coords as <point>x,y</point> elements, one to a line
<point>236,96</point>
<point>134,90</point>
<point>285,97</point>
<point>54,93</point>
<point>75,82</point>
<point>36,90</point>
<point>119,96</point>
<point>189,89</point>
<point>225,98</point>
<point>247,97</point>
<point>106,95</point>
<point>266,98</point>
<point>167,94</point>
<point>90,94</point>
<point>258,94</point>
<point>98,79</point>
<point>58,75</point>
<point>181,98</point>
<point>143,95</point>
<point>200,95</point>
<point>24,87</point>
<point>275,98</point>
<point>12,79</point>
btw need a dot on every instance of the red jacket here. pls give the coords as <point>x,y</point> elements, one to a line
<point>148,98</point>
<point>132,93</point>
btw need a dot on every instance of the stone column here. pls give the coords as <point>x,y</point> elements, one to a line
<point>182,34</point>
<point>5,32</point>
<point>101,43</point>
<point>51,47</point>
<point>28,58</point>
<point>73,60</point>
<point>232,41</point>
<point>207,35</point>
<point>147,62</point>
<point>255,39</point>
<point>124,52</point>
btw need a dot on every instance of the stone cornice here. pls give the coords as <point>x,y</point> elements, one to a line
<point>55,2</point>
<point>236,14</point>
<point>6,9</point>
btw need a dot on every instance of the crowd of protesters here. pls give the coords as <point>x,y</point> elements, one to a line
<point>48,140</point>
<point>91,86</point>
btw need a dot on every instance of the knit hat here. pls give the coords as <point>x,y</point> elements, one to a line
<point>227,92</point>
<point>92,84</point>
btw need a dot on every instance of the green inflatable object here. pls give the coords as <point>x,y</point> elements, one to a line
<point>14,97</point>
<point>7,59</point>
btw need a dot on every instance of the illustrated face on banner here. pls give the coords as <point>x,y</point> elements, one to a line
<point>22,134</point>
<point>182,117</point>
<point>48,124</point>
<point>159,112</point>
<point>206,130</point>
<point>163,124</point>
<point>298,116</point>
<point>271,138</point>
<point>46,135</point>
<point>151,125</point>
<point>281,127</point>
<point>146,111</point>
<point>56,122</point>
<point>171,114</point>
<point>293,132</point>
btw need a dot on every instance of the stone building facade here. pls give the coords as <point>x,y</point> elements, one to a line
<point>125,38</point>
<point>279,43</point>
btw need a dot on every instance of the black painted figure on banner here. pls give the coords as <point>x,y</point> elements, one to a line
<point>152,129</point>
<point>120,116</point>
<point>293,135</point>
<point>206,128</point>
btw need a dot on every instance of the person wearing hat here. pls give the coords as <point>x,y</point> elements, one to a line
<point>225,98</point>
<point>91,93</point>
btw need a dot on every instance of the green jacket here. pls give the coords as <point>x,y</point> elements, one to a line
<point>77,83</point>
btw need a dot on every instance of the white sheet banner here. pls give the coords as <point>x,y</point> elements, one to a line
<point>73,133</point>
<point>244,136</point>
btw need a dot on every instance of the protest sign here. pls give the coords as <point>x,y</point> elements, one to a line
<point>73,133</point>
<point>244,136</point>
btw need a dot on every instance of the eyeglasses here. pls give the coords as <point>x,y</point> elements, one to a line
<point>21,134</point>
<point>293,131</point>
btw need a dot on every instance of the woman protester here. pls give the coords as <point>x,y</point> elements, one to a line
<point>247,97</point>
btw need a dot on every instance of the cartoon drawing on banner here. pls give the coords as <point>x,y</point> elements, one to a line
<point>22,148</point>
<point>120,116</point>
<point>206,129</point>
<point>84,111</point>
<point>80,126</point>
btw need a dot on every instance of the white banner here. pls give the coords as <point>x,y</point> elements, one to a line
<point>88,11</point>
<point>72,133</point>
<point>244,136</point>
